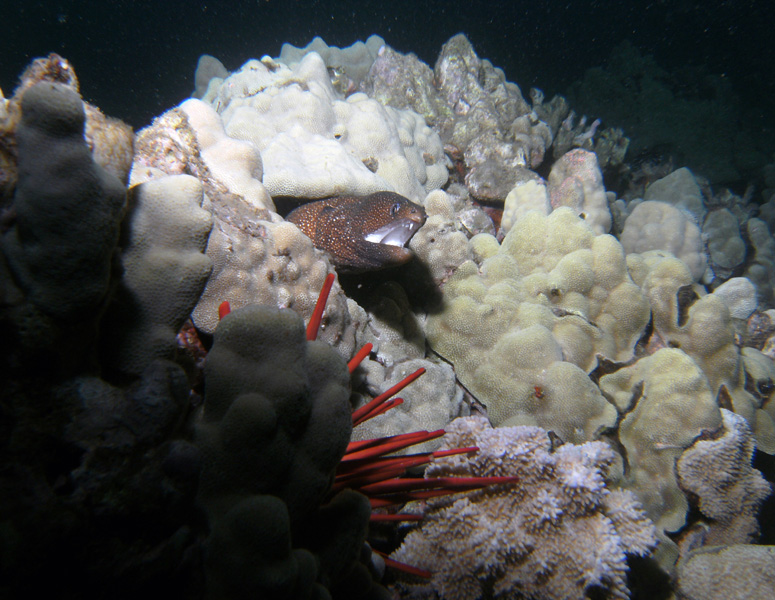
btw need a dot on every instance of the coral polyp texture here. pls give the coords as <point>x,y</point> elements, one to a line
<point>558,532</point>
<point>536,314</point>
<point>315,143</point>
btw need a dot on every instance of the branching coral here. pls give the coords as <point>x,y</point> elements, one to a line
<point>718,473</point>
<point>558,532</point>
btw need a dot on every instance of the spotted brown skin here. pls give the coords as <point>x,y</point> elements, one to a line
<point>361,233</point>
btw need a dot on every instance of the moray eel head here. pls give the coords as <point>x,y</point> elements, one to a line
<point>361,233</point>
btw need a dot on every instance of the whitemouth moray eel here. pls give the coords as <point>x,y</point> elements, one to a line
<point>361,233</point>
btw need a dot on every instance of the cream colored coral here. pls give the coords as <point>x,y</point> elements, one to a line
<point>314,143</point>
<point>350,63</point>
<point>439,244</point>
<point>555,533</point>
<point>702,327</point>
<point>575,181</point>
<point>667,403</point>
<point>729,490</point>
<point>661,226</point>
<point>234,163</point>
<point>554,291</point>
<point>276,264</point>
<point>525,196</point>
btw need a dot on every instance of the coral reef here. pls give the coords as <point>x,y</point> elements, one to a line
<point>67,285</point>
<point>575,181</point>
<point>98,481</point>
<point>703,328</point>
<point>656,225</point>
<point>559,532</point>
<point>704,574</point>
<point>482,117</point>
<point>315,144</point>
<point>728,490</point>
<point>164,271</point>
<point>667,403</point>
<point>536,314</point>
<point>346,66</point>
<point>635,327</point>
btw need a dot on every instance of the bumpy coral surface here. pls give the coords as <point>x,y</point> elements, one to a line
<point>705,574</point>
<point>315,143</point>
<point>523,328</point>
<point>729,491</point>
<point>165,270</point>
<point>667,404</point>
<point>559,532</point>
<point>275,424</point>
<point>702,327</point>
<point>656,225</point>
<point>575,181</point>
<point>346,66</point>
<point>481,116</point>
<point>66,227</point>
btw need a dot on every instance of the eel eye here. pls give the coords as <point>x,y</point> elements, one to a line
<point>395,209</point>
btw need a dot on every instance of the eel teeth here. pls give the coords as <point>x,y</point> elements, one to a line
<point>397,233</point>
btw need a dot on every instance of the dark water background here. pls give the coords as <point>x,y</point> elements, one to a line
<point>136,58</point>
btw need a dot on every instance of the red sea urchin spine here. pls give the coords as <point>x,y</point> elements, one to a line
<point>373,408</point>
<point>317,315</point>
<point>365,466</point>
<point>224,308</point>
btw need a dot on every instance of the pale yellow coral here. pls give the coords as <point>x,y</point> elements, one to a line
<point>667,404</point>
<point>701,326</point>
<point>524,197</point>
<point>553,291</point>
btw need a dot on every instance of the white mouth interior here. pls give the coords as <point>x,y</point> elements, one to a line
<point>396,233</point>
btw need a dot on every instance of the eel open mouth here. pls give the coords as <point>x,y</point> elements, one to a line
<point>396,233</point>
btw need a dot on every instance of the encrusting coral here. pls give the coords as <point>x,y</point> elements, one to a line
<point>545,324</point>
<point>701,326</point>
<point>558,532</point>
<point>667,404</point>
